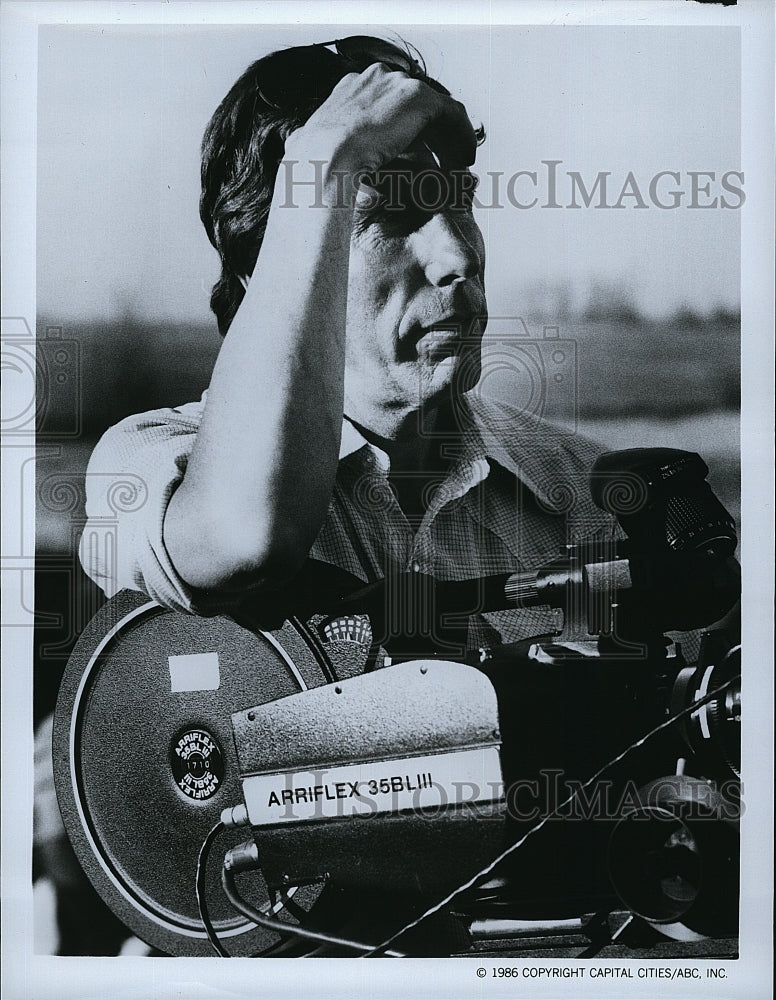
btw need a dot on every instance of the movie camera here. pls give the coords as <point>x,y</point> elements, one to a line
<point>370,793</point>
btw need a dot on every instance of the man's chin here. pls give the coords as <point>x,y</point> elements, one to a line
<point>449,380</point>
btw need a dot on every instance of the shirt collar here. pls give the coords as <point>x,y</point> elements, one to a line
<point>472,450</point>
<point>532,450</point>
<point>539,454</point>
<point>352,439</point>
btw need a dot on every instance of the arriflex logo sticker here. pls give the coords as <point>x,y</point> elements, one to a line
<point>197,764</point>
<point>365,788</point>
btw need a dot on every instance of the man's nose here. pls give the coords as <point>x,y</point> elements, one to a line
<point>449,255</point>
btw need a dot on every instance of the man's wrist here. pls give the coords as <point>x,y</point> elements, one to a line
<point>309,176</point>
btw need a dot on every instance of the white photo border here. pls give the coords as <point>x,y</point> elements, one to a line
<point>26,975</point>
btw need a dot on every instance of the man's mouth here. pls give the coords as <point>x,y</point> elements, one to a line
<point>447,337</point>
<point>440,343</point>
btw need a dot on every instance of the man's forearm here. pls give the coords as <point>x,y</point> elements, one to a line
<point>259,480</point>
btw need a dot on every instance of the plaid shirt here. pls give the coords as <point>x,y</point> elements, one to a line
<point>514,494</point>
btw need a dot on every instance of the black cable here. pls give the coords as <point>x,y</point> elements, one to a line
<point>278,927</point>
<point>292,906</point>
<point>199,889</point>
<point>598,945</point>
<point>470,883</point>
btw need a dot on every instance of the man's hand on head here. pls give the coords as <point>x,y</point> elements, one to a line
<point>371,118</point>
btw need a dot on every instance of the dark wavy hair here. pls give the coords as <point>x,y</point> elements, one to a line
<point>241,152</point>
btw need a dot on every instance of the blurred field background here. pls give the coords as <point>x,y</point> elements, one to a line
<point>641,382</point>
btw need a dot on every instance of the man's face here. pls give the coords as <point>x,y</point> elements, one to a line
<point>416,302</point>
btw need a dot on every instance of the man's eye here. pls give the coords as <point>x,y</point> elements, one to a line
<point>464,197</point>
<point>402,201</point>
<point>420,193</point>
<point>437,191</point>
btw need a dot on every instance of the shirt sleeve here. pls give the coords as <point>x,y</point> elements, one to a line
<point>132,474</point>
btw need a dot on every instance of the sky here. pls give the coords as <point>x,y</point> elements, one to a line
<point>121,112</point>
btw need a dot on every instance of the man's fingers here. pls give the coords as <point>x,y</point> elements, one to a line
<point>448,132</point>
<point>385,110</point>
<point>451,135</point>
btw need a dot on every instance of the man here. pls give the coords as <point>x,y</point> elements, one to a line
<point>342,421</point>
